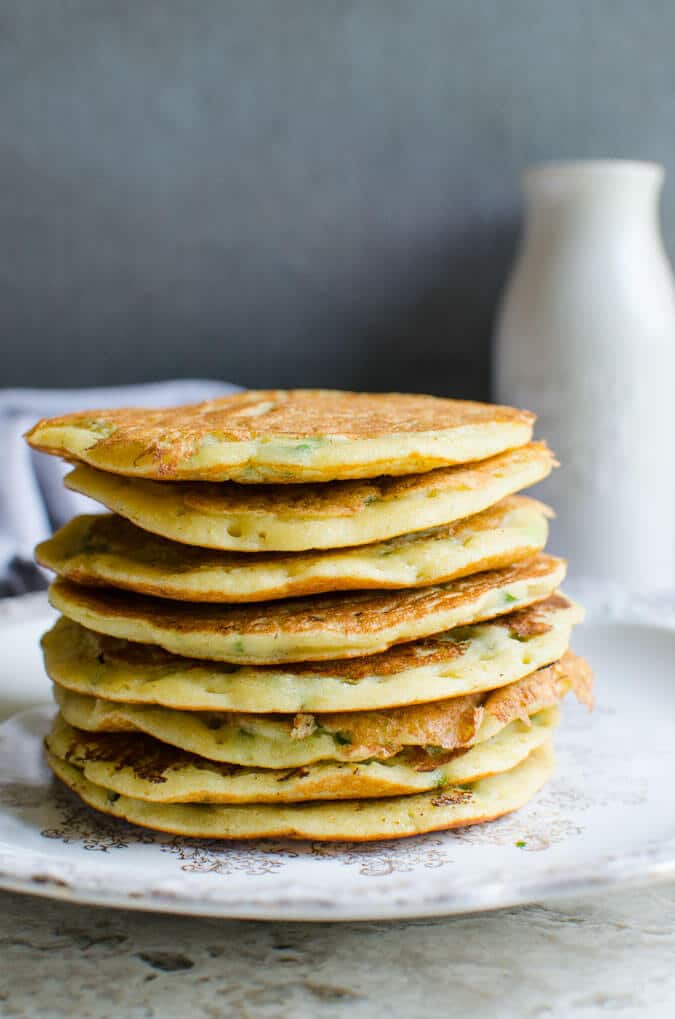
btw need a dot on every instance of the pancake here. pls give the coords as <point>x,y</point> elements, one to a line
<point>291,741</point>
<point>464,660</point>
<point>317,628</point>
<point>145,769</point>
<point>103,549</point>
<point>348,820</point>
<point>275,518</point>
<point>285,436</point>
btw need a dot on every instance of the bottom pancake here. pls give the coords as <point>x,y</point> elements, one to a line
<point>142,768</point>
<point>347,820</point>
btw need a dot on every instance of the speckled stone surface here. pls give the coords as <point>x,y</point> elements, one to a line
<point>597,957</point>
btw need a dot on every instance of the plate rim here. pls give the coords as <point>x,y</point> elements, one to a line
<point>635,869</point>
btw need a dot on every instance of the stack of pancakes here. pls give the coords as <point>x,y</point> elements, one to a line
<point>311,614</point>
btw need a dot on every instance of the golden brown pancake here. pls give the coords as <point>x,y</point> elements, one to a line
<point>347,820</point>
<point>145,769</point>
<point>106,550</point>
<point>279,741</point>
<point>285,436</point>
<point>308,629</point>
<point>464,660</point>
<point>268,518</point>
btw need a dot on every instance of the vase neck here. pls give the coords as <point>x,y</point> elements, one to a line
<point>593,196</point>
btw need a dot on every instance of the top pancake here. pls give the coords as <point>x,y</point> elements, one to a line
<point>286,436</point>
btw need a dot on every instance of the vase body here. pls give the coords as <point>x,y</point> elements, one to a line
<point>586,339</point>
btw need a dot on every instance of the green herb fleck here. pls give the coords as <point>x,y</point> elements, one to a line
<point>306,446</point>
<point>343,738</point>
<point>508,597</point>
<point>238,647</point>
<point>520,844</point>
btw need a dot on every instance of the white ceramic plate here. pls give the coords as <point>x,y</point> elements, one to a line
<point>608,816</point>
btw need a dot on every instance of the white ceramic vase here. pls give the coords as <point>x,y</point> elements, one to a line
<point>586,339</point>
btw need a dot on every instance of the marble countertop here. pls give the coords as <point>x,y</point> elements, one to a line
<point>610,956</point>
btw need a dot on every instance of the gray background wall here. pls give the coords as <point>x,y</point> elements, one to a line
<point>295,191</point>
